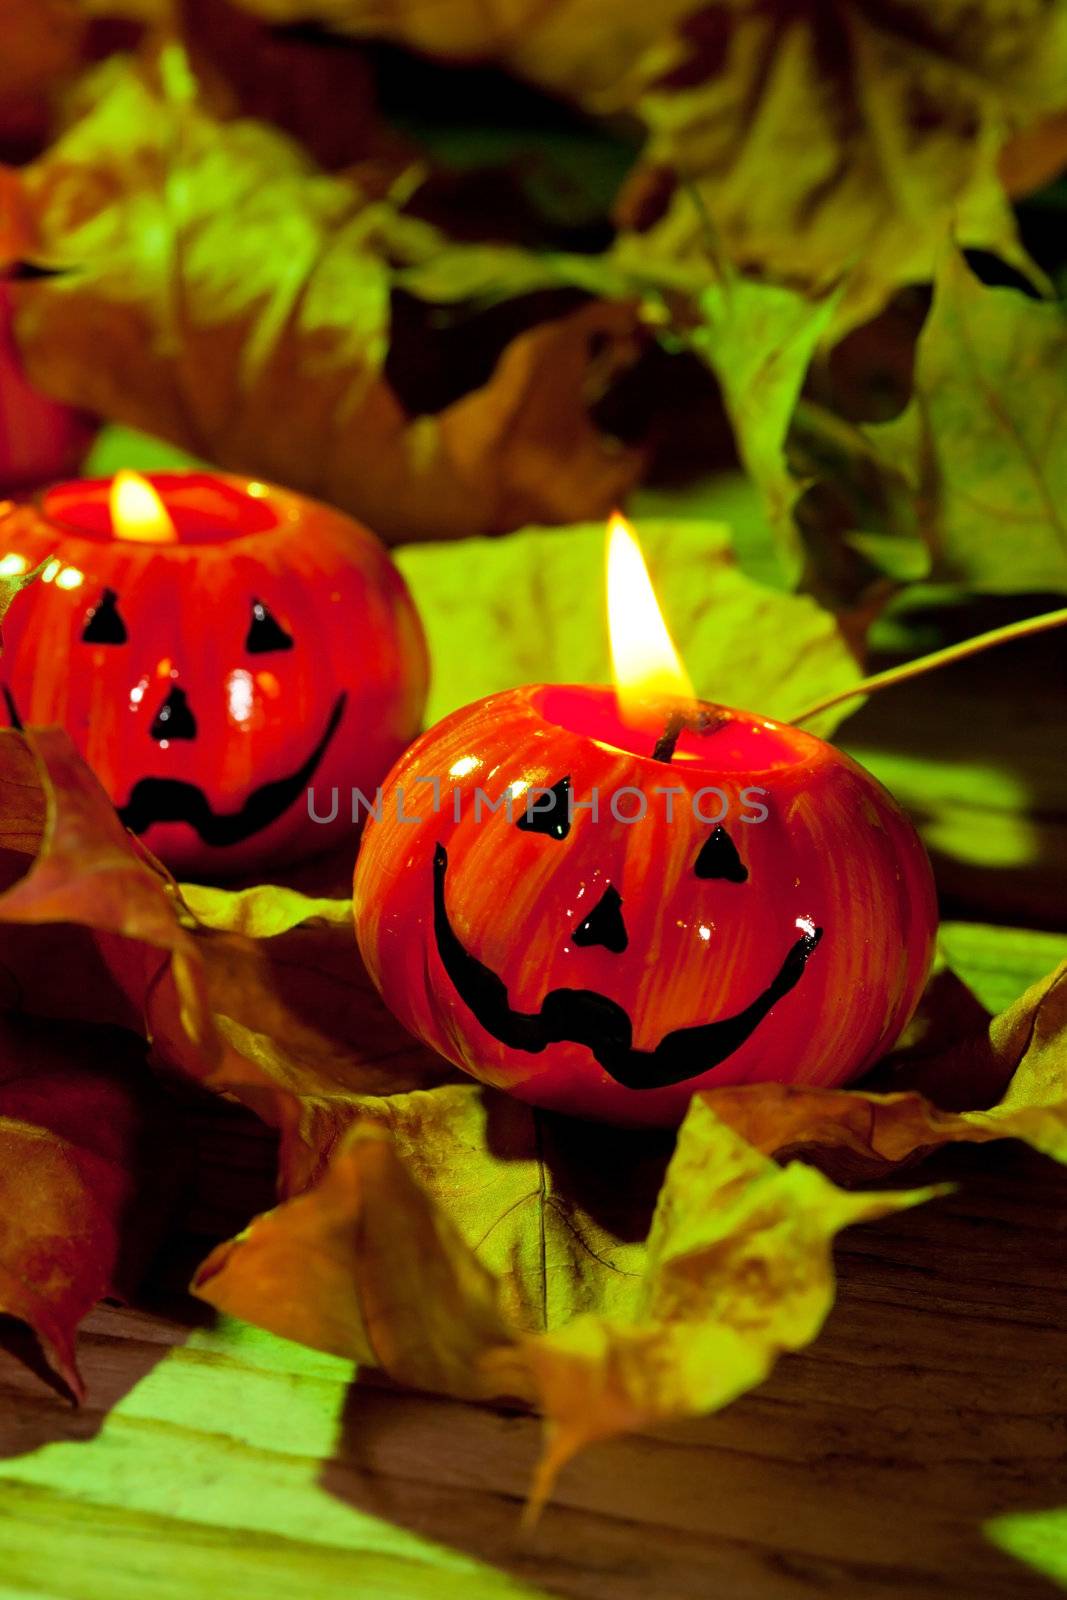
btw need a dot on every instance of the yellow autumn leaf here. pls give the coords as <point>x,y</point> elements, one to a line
<point>810,141</point>
<point>366,1267</point>
<point>738,1270</point>
<point>1023,1050</point>
<point>221,270</point>
<point>983,443</point>
<point>386,1261</point>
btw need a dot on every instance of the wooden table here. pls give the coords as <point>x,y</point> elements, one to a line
<point>214,1460</point>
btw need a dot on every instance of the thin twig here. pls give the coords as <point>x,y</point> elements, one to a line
<point>940,658</point>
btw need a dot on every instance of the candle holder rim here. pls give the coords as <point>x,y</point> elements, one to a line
<point>811,747</point>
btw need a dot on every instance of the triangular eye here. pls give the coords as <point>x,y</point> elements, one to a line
<point>103,625</point>
<point>718,858</point>
<point>604,924</point>
<point>265,632</point>
<point>554,819</point>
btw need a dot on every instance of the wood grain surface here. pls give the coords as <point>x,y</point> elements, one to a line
<point>915,1444</point>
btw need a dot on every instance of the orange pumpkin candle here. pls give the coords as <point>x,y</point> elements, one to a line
<point>603,901</point>
<point>214,646</point>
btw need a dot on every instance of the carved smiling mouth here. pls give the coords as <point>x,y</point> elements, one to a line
<point>170,800</point>
<point>582,1016</point>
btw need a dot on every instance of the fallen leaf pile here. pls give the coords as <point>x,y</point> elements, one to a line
<point>457,1239</point>
<point>910,115</point>
<point>963,488</point>
<point>244,298</point>
<point>983,443</point>
<point>308,324</point>
<point>199,249</point>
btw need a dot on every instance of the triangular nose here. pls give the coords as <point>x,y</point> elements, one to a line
<point>604,924</point>
<point>174,720</point>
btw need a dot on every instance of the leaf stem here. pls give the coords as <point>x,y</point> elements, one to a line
<point>939,658</point>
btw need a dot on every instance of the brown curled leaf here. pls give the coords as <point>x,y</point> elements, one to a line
<point>259,994</point>
<point>76,1114</point>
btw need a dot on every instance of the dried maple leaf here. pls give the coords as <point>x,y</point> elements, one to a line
<point>533,1233</point>
<point>983,443</point>
<point>817,139</point>
<point>738,1271</point>
<point>89,872</point>
<point>76,1108</point>
<point>1025,1048</point>
<point>365,1266</point>
<point>244,300</point>
<point>289,994</point>
<point>462,1263</point>
<point>260,994</point>
<point>558,1217</point>
<point>820,141</point>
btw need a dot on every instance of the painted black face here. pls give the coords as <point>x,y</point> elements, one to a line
<point>604,925</point>
<point>265,632</point>
<point>170,800</point>
<point>582,1016</point>
<point>104,624</point>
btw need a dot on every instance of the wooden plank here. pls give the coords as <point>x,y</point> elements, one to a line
<point>216,1460</point>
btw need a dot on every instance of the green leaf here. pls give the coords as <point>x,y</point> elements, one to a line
<point>997,964</point>
<point>12,585</point>
<point>116,447</point>
<point>532,609</point>
<point>759,340</point>
<point>984,442</point>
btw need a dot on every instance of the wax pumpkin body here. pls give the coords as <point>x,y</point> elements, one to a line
<point>211,682</point>
<point>610,968</point>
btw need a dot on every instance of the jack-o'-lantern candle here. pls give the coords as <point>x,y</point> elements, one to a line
<point>602,900</point>
<point>215,647</point>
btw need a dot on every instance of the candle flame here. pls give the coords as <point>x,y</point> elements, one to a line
<point>137,512</point>
<point>644,662</point>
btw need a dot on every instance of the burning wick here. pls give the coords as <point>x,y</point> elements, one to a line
<point>703,720</point>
